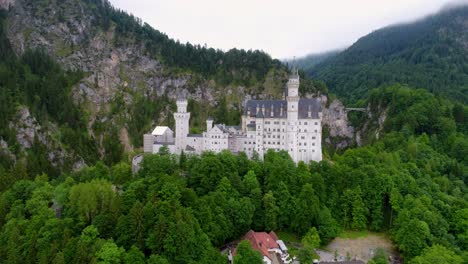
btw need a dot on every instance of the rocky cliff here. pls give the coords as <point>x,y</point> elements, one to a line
<point>119,71</point>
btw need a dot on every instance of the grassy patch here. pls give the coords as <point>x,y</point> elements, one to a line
<point>63,50</point>
<point>288,237</point>
<point>353,234</point>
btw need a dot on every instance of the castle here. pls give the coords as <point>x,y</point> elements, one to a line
<point>293,125</point>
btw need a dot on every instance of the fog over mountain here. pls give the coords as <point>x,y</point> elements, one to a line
<point>282,29</point>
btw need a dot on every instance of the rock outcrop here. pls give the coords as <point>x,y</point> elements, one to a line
<point>29,132</point>
<point>335,120</point>
<point>118,66</point>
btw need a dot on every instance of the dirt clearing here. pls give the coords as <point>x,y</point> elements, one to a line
<point>354,245</point>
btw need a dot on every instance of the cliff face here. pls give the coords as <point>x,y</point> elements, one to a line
<point>119,69</point>
<point>337,130</point>
<point>30,135</point>
<point>65,30</point>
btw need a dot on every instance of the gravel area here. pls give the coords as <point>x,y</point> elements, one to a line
<point>361,248</point>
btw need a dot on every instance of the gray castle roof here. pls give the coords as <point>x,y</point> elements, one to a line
<point>254,108</point>
<point>228,129</point>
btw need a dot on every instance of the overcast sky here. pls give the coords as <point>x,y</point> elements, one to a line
<point>283,29</point>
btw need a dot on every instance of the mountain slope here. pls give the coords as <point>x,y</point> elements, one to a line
<point>308,62</point>
<point>431,53</point>
<point>117,78</point>
<point>82,81</point>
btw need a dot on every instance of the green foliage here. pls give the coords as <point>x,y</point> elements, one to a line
<point>246,255</point>
<point>232,67</point>
<point>271,211</point>
<point>425,54</point>
<point>437,254</point>
<point>92,198</point>
<point>36,81</point>
<point>110,253</point>
<point>411,182</point>
<point>311,239</point>
<point>308,62</point>
<point>380,257</point>
<point>134,256</point>
<point>310,242</point>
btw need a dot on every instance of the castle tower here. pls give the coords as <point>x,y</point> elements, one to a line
<point>293,105</point>
<point>209,124</point>
<point>182,118</point>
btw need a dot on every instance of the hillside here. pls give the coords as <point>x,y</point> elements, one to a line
<point>81,81</point>
<point>410,184</point>
<point>308,62</point>
<point>431,53</point>
<point>84,81</point>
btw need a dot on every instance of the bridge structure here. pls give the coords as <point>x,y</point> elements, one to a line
<point>365,110</point>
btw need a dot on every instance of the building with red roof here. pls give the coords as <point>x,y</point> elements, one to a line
<point>269,245</point>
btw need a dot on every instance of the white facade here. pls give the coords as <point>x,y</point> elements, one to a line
<point>293,125</point>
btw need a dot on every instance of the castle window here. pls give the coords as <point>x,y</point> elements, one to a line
<point>315,130</point>
<point>313,144</point>
<point>305,123</point>
<point>305,144</point>
<point>300,144</point>
<point>302,137</point>
<point>305,130</point>
<point>316,123</point>
<point>299,130</point>
<point>313,137</point>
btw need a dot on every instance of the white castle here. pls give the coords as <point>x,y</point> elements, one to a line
<point>293,125</point>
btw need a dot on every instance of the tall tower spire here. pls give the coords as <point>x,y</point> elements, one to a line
<point>182,118</point>
<point>293,110</point>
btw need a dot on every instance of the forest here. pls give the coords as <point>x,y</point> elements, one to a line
<point>410,183</point>
<point>429,53</point>
<point>236,66</point>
